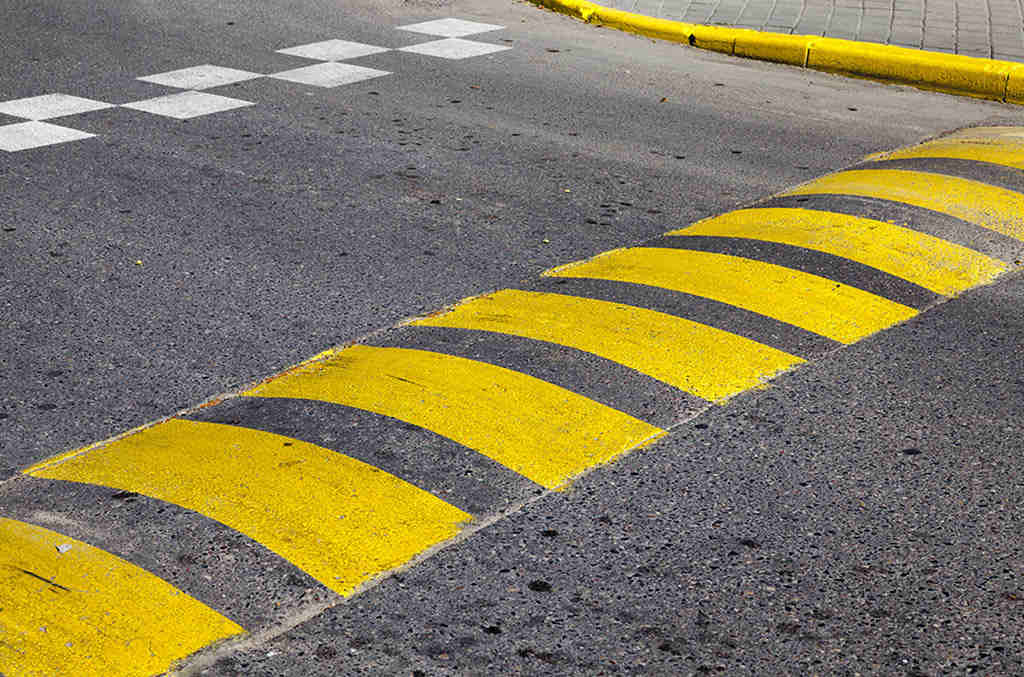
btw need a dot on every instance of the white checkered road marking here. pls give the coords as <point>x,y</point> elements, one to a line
<point>187,105</point>
<point>200,77</point>
<point>450,28</point>
<point>454,48</point>
<point>193,102</point>
<point>333,50</point>
<point>329,74</point>
<point>35,134</point>
<point>50,106</point>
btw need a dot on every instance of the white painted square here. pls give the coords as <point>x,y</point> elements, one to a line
<point>35,134</point>
<point>450,28</point>
<point>186,105</point>
<point>329,74</point>
<point>454,48</point>
<point>200,77</point>
<point>50,106</point>
<point>333,50</point>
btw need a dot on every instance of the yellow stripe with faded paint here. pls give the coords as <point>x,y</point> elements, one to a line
<point>942,267</point>
<point>1008,153</point>
<point>988,206</point>
<point>78,610</point>
<point>988,133</point>
<point>708,362</point>
<point>814,303</point>
<point>340,520</point>
<point>538,429</point>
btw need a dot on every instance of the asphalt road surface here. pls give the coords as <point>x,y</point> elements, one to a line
<point>860,515</point>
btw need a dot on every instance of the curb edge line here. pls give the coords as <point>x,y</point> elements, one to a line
<point>956,74</point>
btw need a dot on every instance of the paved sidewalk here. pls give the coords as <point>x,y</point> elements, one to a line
<point>982,28</point>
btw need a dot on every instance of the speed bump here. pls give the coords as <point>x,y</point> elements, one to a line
<point>67,608</point>
<point>706,311</point>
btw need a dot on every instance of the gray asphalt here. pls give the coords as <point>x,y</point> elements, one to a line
<point>269,233</point>
<point>861,517</point>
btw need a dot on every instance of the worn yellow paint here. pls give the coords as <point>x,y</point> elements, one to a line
<point>1000,133</point>
<point>538,429</point>
<point>928,261</point>
<point>82,611</point>
<point>708,362</point>
<point>820,305</point>
<point>339,519</point>
<point>1008,152</point>
<point>988,206</point>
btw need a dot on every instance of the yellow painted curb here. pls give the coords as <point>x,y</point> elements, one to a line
<point>949,73</point>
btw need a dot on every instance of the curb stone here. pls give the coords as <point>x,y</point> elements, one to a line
<point>991,79</point>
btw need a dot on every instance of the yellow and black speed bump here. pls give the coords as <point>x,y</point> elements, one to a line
<point>353,463</point>
<point>759,328</point>
<point>587,374</point>
<point>206,560</point>
<point>823,264</point>
<point>927,221</point>
<point>1010,178</point>
<point>446,469</point>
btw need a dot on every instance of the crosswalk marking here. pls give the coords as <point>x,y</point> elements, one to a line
<point>340,520</point>
<point>708,362</point>
<point>67,608</point>
<point>814,303</point>
<point>988,206</point>
<point>935,264</point>
<point>540,430</point>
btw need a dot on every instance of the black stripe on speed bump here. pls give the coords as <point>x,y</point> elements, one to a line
<point>746,323</point>
<point>220,567</point>
<point>818,263</point>
<point>454,473</point>
<point>937,224</point>
<point>985,172</point>
<point>583,373</point>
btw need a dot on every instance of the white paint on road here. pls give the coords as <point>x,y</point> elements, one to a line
<point>200,77</point>
<point>193,102</point>
<point>450,28</point>
<point>187,105</point>
<point>329,74</point>
<point>35,134</point>
<point>50,106</point>
<point>454,48</point>
<point>333,50</point>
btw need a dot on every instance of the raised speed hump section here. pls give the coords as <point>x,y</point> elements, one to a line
<point>527,386</point>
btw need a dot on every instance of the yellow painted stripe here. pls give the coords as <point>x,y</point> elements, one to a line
<point>996,133</point>
<point>1008,152</point>
<point>825,307</point>
<point>338,519</point>
<point>68,608</point>
<point>990,207</point>
<point>537,429</point>
<point>699,359</point>
<point>934,264</point>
